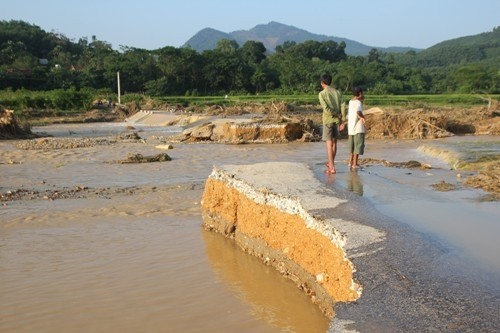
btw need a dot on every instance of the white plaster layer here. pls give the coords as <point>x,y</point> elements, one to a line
<point>293,189</point>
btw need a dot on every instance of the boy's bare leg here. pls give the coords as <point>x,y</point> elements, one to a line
<point>331,151</point>
<point>351,160</point>
<point>355,162</point>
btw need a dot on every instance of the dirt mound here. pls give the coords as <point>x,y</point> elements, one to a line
<point>10,128</point>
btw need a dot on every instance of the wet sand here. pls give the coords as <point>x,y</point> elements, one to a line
<point>129,252</point>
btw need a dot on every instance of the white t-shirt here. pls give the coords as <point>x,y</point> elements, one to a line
<point>354,124</point>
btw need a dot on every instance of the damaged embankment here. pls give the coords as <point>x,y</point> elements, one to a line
<point>261,210</point>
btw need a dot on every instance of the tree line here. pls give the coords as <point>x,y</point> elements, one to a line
<point>33,59</point>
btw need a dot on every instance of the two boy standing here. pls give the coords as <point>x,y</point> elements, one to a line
<point>334,121</point>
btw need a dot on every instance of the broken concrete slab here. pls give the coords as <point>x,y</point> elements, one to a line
<point>363,269</point>
<point>272,217</point>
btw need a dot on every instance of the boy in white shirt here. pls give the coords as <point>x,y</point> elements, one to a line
<point>356,128</point>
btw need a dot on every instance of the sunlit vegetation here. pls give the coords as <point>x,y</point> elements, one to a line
<point>42,70</point>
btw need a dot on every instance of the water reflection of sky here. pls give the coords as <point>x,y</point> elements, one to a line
<point>475,151</point>
<point>471,148</point>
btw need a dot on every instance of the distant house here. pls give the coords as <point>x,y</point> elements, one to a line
<point>43,61</point>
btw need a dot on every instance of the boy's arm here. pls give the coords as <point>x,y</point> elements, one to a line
<point>343,120</point>
<point>343,111</point>
<point>361,115</point>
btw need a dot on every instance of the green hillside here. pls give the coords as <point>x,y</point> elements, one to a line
<point>481,48</point>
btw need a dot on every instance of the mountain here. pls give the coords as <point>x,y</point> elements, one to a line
<point>207,39</point>
<point>274,34</point>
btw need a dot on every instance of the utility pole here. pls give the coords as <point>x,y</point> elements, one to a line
<point>119,96</point>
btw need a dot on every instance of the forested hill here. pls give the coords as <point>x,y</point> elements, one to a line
<point>482,48</point>
<point>274,34</point>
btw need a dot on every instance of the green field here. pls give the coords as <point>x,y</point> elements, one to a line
<point>82,100</point>
<point>372,100</point>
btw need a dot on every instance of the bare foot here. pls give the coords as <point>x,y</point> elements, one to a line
<point>331,169</point>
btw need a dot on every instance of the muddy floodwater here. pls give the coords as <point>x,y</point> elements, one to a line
<point>120,247</point>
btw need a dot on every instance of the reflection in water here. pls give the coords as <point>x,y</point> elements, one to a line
<point>272,297</point>
<point>354,183</point>
<point>329,178</point>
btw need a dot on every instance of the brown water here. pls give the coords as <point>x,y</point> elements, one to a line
<point>152,275</point>
<point>136,258</point>
<point>132,262</point>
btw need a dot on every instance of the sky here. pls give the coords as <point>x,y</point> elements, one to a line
<point>153,24</point>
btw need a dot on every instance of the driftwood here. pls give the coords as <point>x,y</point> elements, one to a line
<point>413,124</point>
<point>492,103</point>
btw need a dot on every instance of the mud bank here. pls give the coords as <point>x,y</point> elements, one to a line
<point>283,226</point>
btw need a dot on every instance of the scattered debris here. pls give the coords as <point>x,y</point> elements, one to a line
<point>443,186</point>
<point>139,158</point>
<point>409,164</point>
<point>48,143</point>
<point>62,143</point>
<point>487,179</point>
